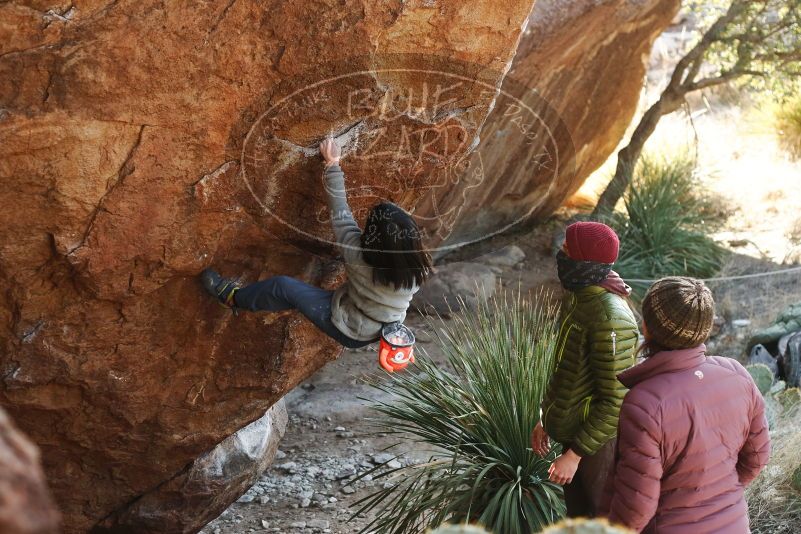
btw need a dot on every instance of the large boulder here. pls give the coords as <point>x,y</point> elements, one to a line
<point>569,97</point>
<point>141,141</point>
<point>791,361</point>
<point>208,485</point>
<point>788,322</point>
<point>456,286</point>
<point>463,285</point>
<point>25,503</point>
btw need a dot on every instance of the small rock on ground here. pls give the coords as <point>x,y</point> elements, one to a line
<point>508,256</point>
<point>455,286</point>
<point>318,524</point>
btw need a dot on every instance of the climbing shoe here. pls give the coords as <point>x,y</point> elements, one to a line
<point>222,289</point>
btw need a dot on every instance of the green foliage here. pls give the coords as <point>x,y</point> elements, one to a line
<point>757,42</point>
<point>665,227</point>
<point>795,481</point>
<point>788,126</point>
<point>790,399</point>
<point>778,387</point>
<point>476,414</point>
<point>586,526</point>
<point>774,498</point>
<point>781,403</point>
<point>762,375</point>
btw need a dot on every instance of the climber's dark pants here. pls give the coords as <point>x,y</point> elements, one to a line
<point>281,293</point>
<point>584,496</point>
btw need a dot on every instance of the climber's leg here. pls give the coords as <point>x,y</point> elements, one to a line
<point>285,293</point>
<point>280,293</point>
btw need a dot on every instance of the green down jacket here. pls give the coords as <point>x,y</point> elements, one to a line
<point>584,396</point>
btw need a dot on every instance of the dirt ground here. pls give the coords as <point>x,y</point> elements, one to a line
<point>329,439</point>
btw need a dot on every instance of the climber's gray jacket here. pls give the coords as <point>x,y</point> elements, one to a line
<point>359,306</point>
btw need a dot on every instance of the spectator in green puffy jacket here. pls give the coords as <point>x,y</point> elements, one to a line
<point>581,407</point>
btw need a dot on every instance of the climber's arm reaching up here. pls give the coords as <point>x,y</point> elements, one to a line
<point>346,230</point>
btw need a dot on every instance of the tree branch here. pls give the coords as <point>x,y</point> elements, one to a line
<point>722,78</point>
<point>695,57</point>
<point>749,42</point>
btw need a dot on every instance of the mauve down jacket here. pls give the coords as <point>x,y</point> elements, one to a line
<point>692,434</point>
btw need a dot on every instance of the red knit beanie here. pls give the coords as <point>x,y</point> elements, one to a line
<point>592,241</point>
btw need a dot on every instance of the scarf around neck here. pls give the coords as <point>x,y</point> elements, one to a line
<point>577,274</point>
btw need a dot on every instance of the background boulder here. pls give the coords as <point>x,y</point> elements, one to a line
<point>208,485</point>
<point>456,286</point>
<point>788,322</point>
<point>25,503</point>
<point>141,141</point>
<point>566,103</point>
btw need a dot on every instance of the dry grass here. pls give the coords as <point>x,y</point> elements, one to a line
<point>758,299</point>
<point>773,505</point>
<point>788,126</point>
<point>794,233</point>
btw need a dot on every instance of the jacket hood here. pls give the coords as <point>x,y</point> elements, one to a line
<point>668,361</point>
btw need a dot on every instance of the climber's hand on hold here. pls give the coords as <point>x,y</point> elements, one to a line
<point>330,151</point>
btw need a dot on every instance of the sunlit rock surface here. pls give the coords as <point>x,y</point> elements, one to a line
<point>565,105</point>
<point>141,141</point>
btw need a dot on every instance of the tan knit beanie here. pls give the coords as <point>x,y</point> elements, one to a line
<point>678,313</point>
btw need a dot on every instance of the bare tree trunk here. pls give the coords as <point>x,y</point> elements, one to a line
<point>682,81</point>
<point>629,155</point>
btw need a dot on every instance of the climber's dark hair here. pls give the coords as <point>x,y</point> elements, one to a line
<point>392,246</point>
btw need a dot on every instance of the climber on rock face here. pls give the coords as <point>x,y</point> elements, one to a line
<point>385,266</point>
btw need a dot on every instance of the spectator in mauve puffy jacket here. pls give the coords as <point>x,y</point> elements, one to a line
<point>692,431</point>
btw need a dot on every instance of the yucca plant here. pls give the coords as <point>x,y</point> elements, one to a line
<point>666,225</point>
<point>788,126</point>
<point>474,417</point>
